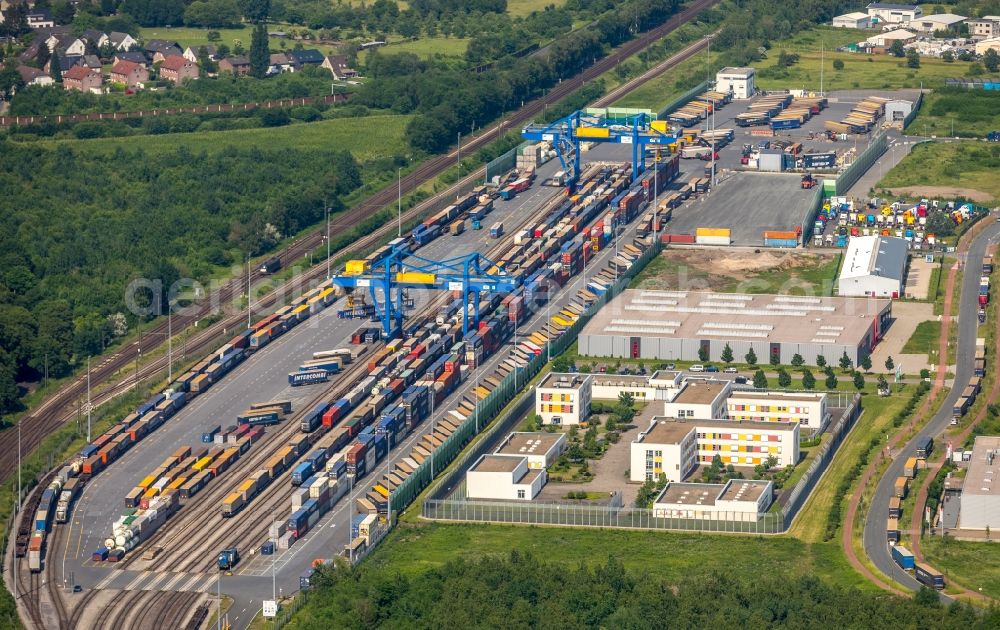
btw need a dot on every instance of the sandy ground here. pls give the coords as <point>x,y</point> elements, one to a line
<point>906,316</point>
<point>918,280</point>
<point>735,264</point>
<point>931,192</point>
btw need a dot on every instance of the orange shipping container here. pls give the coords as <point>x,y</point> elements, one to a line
<point>780,234</point>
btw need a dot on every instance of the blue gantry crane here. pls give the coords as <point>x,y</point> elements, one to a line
<point>386,280</point>
<point>638,129</point>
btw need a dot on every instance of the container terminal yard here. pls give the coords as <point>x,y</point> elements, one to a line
<point>282,447</point>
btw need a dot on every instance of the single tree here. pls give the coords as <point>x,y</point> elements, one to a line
<point>859,381</point>
<point>44,54</point>
<point>838,64</point>
<point>55,69</point>
<point>820,360</point>
<point>238,48</point>
<point>797,360</point>
<point>727,354</point>
<point>760,379</point>
<point>808,380</point>
<point>831,381</point>
<point>896,49</point>
<point>10,81</point>
<point>775,358</point>
<point>948,56</point>
<point>259,54</point>
<point>991,60</point>
<point>784,378</point>
<point>882,383</point>
<point>255,11</point>
<point>703,354</point>
<point>845,362</point>
<point>889,364</point>
<point>866,363</point>
<point>751,357</point>
<point>912,58</point>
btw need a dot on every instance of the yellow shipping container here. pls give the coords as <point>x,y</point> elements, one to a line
<point>202,463</point>
<point>356,267</point>
<point>300,309</point>
<point>246,485</point>
<point>381,490</point>
<point>416,277</point>
<point>713,232</point>
<point>150,493</point>
<point>593,132</point>
<point>560,321</point>
<point>177,483</point>
<point>148,481</point>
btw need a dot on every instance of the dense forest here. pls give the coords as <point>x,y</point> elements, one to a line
<point>79,226</point>
<point>523,592</point>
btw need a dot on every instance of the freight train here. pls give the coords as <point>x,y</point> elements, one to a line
<point>150,415</point>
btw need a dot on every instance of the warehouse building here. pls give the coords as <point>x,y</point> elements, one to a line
<point>980,505</point>
<point>675,448</point>
<point>885,12</point>
<point>742,500</point>
<point>503,478</point>
<point>541,449</point>
<point>853,20</point>
<point>699,400</point>
<point>809,409</point>
<point>689,325</point>
<point>739,81</point>
<point>873,266</point>
<point>563,399</point>
<point>897,110</point>
<point>936,22</point>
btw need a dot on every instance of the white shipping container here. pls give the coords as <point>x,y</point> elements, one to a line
<point>277,529</point>
<point>712,240</point>
<point>285,541</point>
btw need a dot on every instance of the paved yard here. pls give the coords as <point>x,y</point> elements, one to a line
<point>918,280</point>
<point>906,316</point>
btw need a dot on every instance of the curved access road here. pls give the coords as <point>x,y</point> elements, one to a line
<point>874,538</point>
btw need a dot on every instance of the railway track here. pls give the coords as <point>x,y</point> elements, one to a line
<point>52,413</point>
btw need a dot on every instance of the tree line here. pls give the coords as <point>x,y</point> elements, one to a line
<point>450,100</point>
<point>81,225</point>
<point>521,591</point>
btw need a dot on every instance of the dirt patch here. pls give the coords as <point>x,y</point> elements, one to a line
<point>931,192</point>
<point>739,264</point>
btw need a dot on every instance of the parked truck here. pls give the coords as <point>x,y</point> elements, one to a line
<point>903,557</point>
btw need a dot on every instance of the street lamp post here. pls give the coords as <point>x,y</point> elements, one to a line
<point>170,341</point>
<point>88,399</point>
<point>327,208</point>
<point>399,202</point>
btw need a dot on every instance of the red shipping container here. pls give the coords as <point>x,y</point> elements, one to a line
<point>356,453</point>
<point>35,544</point>
<point>983,299</point>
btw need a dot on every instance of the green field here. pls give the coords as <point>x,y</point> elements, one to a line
<point>958,112</point>
<point>424,47</point>
<point>792,273</point>
<point>524,7</point>
<point>924,337</point>
<point>976,564</point>
<point>354,134</point>
<point>186,36</point>
<point>413,549</point>
<point>963,166</point>
<point>860,71</point>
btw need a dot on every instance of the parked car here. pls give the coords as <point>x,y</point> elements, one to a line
<point>731,370</point>
<point>696,368</point>
<point>742,380</point>
<point>669,366</point>
<point>711,368</point>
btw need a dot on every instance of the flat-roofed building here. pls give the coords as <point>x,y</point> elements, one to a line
<point>699,400</point>
<point>542,449</point>
<point>986,27</point>
<point>504,478</point>
<point>980,503</point>
<point>936,22</point>
<point>809,409</point>
<point>742,500</point>
<point>686,325</point>
<point>563,399</point>
<point>675,448</point>
<point>887,12</point>
<point>662,385</point>
<point>739,81</point>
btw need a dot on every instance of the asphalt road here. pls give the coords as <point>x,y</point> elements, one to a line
<point>876,547</point>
